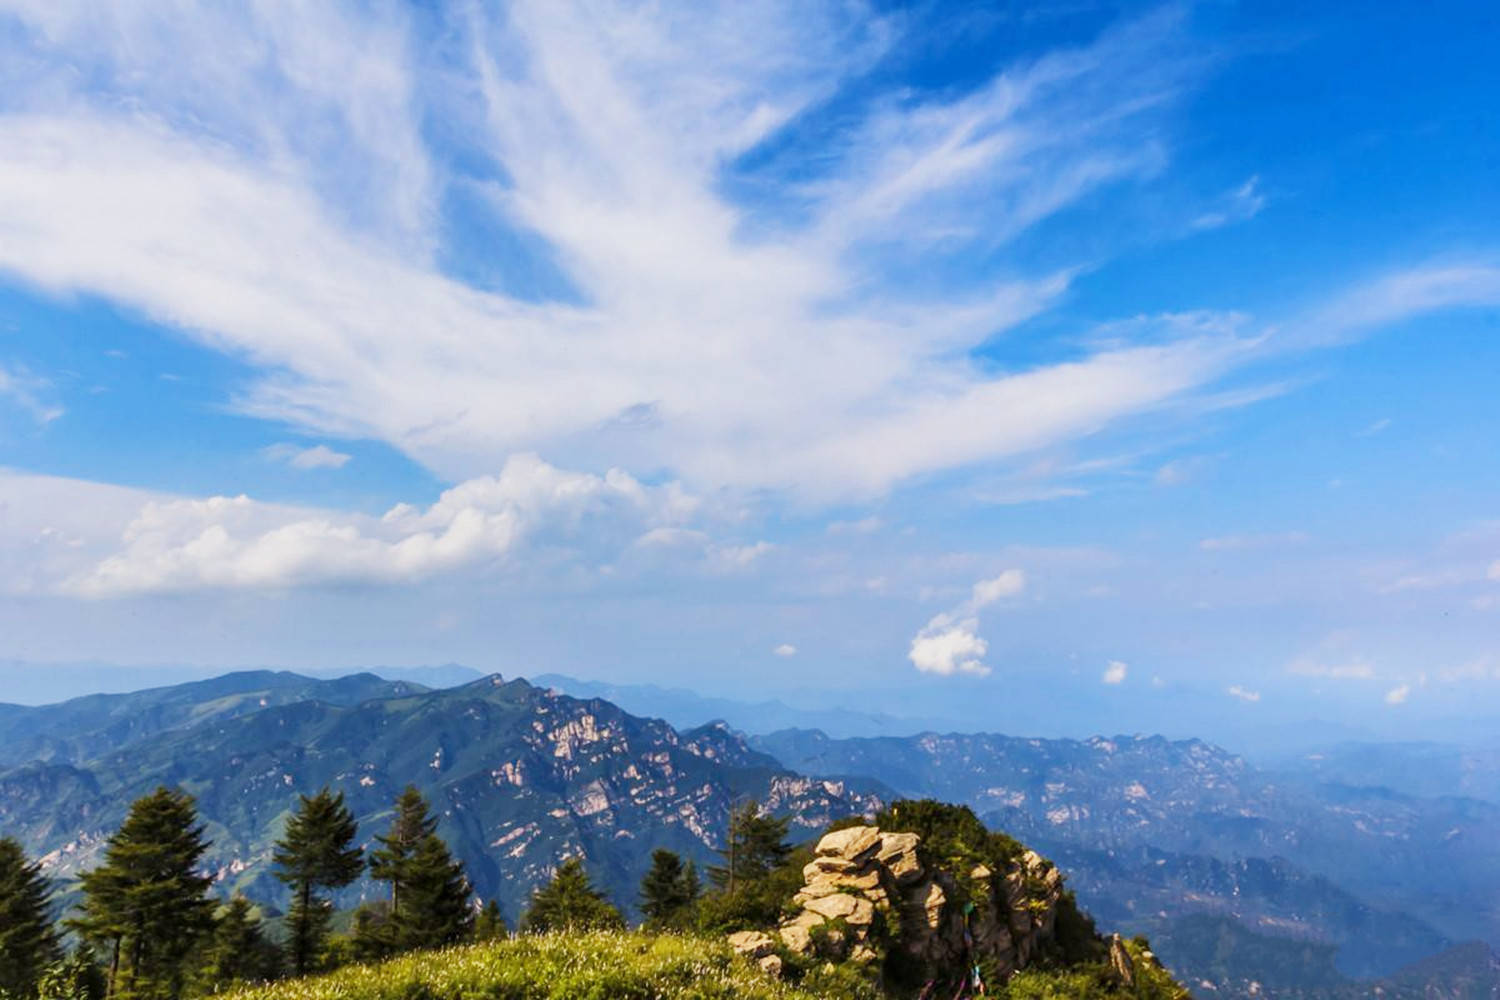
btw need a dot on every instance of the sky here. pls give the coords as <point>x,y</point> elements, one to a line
<point>1058,367</point>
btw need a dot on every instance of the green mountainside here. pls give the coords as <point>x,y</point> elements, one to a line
<point>521,777</point>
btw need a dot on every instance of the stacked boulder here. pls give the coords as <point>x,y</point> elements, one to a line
<point>867,891</point>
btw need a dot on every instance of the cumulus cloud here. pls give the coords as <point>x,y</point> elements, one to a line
<point>950,643</point>
<point>1242,693</point>
<point>785,649</point>
<point>176,544</point>
<point>319,456</point>
<point>1115,672</point>
<point>1398,694</point>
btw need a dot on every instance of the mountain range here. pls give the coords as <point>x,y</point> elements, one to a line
<point>1242,878</point>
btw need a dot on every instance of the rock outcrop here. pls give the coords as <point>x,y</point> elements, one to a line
<point>867,892</point>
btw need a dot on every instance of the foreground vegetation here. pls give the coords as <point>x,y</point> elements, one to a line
<point>626,965</point>
<point>149,928</point>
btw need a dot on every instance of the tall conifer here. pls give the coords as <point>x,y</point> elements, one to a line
<point>27,942</point>
<point>570,902</point>
<point>316,852</point>
<point>147,904</point>
<point>430,897</point>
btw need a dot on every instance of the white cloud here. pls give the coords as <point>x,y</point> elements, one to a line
<point>785,649</point>
<point>1242,693</point>
<point>1115,672</point>
<point>1225,543</point>
<point>1355,669</point>
<point>1238,205</point>
<point>175,545</point>
<point>28,392</point>
<point>319,456</point>
<point>308,251</point>
<point>950,642</point>
<point>1398,694</point>
<point>1494,570</point>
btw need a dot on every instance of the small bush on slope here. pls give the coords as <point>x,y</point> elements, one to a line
<point>600,965</point>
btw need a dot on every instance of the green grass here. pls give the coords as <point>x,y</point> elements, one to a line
<point>591,966</point>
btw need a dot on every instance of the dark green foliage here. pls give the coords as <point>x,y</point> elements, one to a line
<point>754,904</point>
<point>668,891</point>
<point>77,977</point>
<point>435,909</point>
<point>571,903</point>
<point>952,836</point>
<point>315,852</point>
<point>239,951</point>
<point>490,925</point>
<point>756,844</point>
<point>430,897</point>
<point>27,942</point>
<point>147,906</point>
<point>1075,939</point>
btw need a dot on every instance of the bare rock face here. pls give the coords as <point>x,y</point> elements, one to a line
<point>867,891</point>
<point>760,948</point>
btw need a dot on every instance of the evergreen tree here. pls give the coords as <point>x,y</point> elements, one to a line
<point>570,902</point>
<point>756,845</point>
<point>239,951</point>
<point>27,942</point>
<point>147,904</point>
<point>430,897</point>
<point>490,925</point>
<point>76,977</point>
<point>435,907</point>
<point>668,891</point>
<point>316,852</point>
<point>411,825</point>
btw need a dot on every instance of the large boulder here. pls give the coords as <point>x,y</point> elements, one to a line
<point>862,877</point>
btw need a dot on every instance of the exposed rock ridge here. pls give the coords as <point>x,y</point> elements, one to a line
<point>867,891</point>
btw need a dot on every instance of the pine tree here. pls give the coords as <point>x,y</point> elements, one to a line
<point>430,897</point>
<point>668,891</point>
<point>436,908</point>
<point>570,902</point>
<point>756,844</point>
<point>147,904</point>
<point>490,925</point>
<point>239,951</point>
<point>411,825</point>
<point>27,942</point>
<point>316,852</point>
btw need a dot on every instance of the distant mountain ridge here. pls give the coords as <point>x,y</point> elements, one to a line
<point>1155,830</point>
<point>1226,867</point>
<point>521,776</point>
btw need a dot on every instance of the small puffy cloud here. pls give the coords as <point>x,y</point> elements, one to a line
<point>1398,694</point>
<point>1242,693</point>
<point>948,647</point>
<point>785,649</point>
<point>1115,672</point>
<point>1007,584</point>
<point>950,643</point>
<point>1494,571</point>
<point>319,456</point>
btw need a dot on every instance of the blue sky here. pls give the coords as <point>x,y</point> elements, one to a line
<point>1140,357</point>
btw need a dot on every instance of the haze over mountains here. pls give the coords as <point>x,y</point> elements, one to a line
<point>1239,875</point>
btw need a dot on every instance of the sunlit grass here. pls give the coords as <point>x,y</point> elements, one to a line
<point>586,966</point>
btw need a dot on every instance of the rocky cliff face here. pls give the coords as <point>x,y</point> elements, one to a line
<point>867,890</point>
